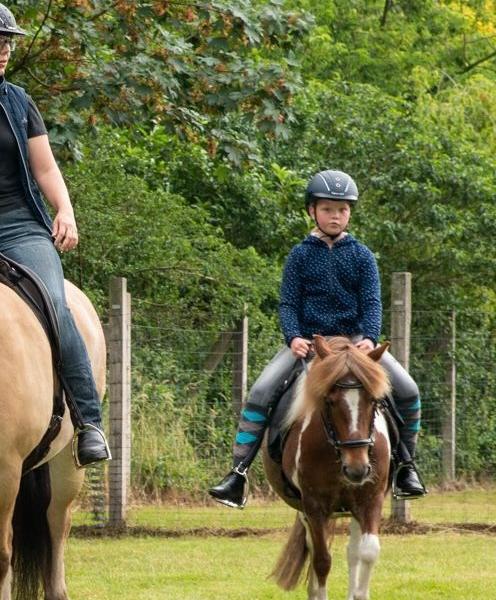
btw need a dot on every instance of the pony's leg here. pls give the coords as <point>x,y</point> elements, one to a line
<point>320,559</point>
<point>352,556</point>
<point>9,486</point>
<point>365,549</point>
<point>65,481</point>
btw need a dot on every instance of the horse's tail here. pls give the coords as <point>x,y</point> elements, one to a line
<point>291,561</point>
<point>31,546</point>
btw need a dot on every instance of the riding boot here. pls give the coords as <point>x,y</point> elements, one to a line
<point>232,490</point>
<point>407,483</point>
<point>90,446</point>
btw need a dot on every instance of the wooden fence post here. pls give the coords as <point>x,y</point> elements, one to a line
<point>401,319</point>
<point>240,364</point>
<point>119,344</point>
<point>449,416</point>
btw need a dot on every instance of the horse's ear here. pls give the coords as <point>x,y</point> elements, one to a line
<point>321,346</point>
<point>377,353</point>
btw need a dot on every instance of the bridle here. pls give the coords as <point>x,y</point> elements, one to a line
<point>330,432</point>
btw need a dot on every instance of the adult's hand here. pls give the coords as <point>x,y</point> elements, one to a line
<point>65,231</point>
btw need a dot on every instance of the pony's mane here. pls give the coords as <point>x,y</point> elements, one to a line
<point>342,359</point>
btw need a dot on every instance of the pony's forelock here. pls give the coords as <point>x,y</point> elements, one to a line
<point>342,359</point>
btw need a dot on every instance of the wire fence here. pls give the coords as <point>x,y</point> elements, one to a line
<point>184,412</point>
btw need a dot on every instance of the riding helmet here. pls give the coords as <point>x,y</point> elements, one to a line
<point>331,185</point>
<point>8,23</point>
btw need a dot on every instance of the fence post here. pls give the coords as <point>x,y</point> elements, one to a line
<point>240,363</point>
<point>119,343</point>
<point>401,319</point>
<point>449,416</point>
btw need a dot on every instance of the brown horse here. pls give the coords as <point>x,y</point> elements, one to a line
<point>337,455</point>
<point>35,509</point>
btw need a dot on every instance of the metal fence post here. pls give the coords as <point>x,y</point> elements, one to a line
<point>240,363</point>
<point>401,319</point>
<point>449,416</point>
<point>119,342</point>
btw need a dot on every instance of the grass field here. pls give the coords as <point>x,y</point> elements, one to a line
<point>442,564</point>
<point>414,567</point>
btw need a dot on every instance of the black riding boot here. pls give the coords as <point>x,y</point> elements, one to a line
<point>233,489</point>
<point>90,446</point>
<point>407,483</point>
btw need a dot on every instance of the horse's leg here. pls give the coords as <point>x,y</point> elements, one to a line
<point>316,526</point>
<point>65,481</point>
<point>363,551</point>
<point>352,556</point>
<point>9,486</point>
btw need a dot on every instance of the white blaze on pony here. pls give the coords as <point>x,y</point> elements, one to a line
<point>337,454</point>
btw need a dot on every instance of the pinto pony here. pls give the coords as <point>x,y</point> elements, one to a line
<point>35,508</point>
<point>337,456</point>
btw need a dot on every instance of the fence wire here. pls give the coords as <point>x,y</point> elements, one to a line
<point>184,417</point>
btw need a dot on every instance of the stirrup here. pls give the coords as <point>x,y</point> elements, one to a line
<point>396,492</point>
<point>74,445</point>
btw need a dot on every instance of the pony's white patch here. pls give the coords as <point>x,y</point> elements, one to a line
<point>352,399</point>
<point>369,548</point>
<point>296,409</point>
<point>305,424</point>
<point>381,427</point>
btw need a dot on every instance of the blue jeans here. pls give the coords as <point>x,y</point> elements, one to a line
<point>26,241</point>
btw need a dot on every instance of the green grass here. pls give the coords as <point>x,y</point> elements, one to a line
<point>466,506</point>
<point>433,566</point>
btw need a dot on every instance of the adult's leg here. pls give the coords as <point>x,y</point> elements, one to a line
<point>37,252</point>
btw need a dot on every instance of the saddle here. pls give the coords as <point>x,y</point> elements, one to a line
<point>28,286</point>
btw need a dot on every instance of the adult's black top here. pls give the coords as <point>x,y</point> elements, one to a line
<point>11,190</point>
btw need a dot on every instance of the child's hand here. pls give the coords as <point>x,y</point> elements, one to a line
<point>300,347</point>
<point>365,345</point>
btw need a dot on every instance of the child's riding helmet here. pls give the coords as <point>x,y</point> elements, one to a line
<point>331,185</point>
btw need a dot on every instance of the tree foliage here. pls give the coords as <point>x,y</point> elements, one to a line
<point>179,63</point>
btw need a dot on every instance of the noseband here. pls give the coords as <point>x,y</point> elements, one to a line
<point>332,438</point>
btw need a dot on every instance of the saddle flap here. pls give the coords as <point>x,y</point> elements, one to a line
<point>277,432</point>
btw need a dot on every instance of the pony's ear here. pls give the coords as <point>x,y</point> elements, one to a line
<point>321,346</point>
<point>376,353</point>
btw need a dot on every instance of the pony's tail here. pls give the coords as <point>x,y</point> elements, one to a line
<point>291,561</point>
<point>31,545</point>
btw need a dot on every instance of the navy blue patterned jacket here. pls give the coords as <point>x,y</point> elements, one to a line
<point>330,291</point>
